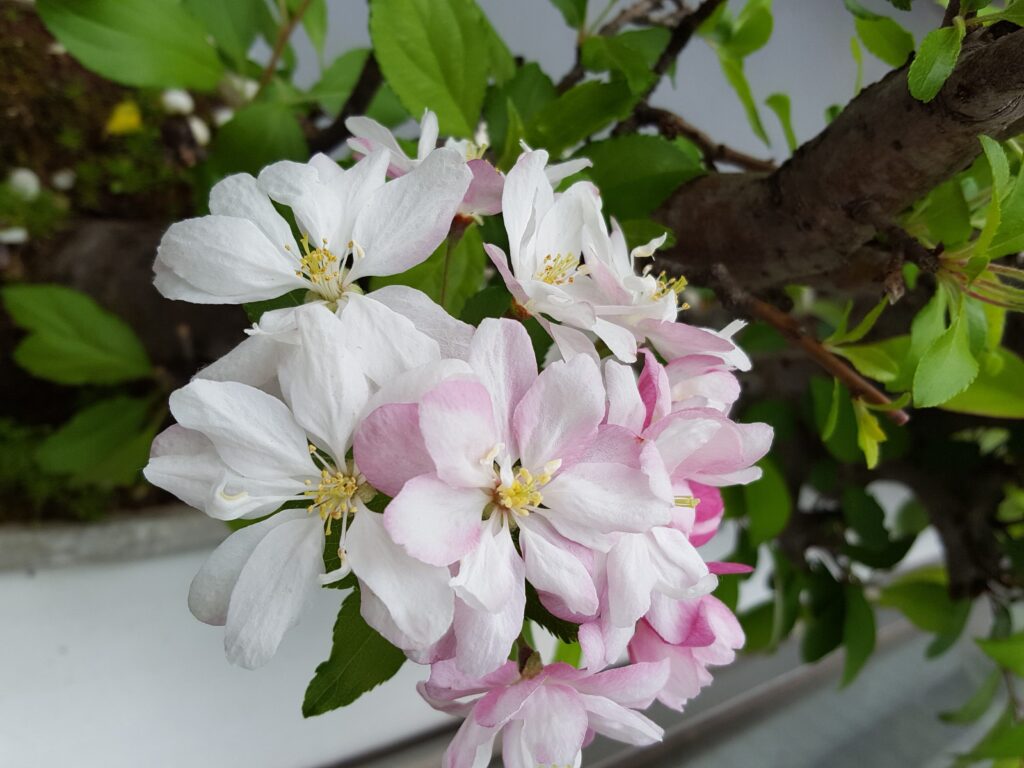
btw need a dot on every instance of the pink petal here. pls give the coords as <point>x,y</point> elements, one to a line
<point>389,448</point>
<point>435,522</point>
<point>457,423</point>
<point>654,389</point>
<point>502,357</point>
<point>484,194</point>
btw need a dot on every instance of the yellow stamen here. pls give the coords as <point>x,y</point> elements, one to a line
<point>560,269</point>
<point>687,501</point>
<point>523,493</point>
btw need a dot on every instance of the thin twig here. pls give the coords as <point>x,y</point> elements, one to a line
<point>283,34</point>
<point>360,98</point>
<point>790,327</point>
<point>671,125</point>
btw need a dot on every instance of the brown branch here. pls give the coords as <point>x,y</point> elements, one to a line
<point>365,89</point>
<point>799,224</point>
<point>791,328</point>
<point>671,125</point>
<point>283,35</point>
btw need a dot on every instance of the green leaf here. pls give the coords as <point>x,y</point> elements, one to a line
<point>757,623</point>
<point>948,215</point>
<point>733,71</point>
<point>153,43</point>
<point>842,441</point>
<point>997,162</point>
<point>924,601</point>
<point>1008,237</point>
<point>528,90</point>
<point>978,704</point>
<point>254,309</point>
<point>573,11</point>
<point>105,444</point>
<point>842,336</point>
<point>492,301</point>
<point>1005,741</point>
<point>566,631</point>
<point>1007,652</point>
<point>465,273</point>
<point>872,360</point>
<point>935,61</point>
<point>386,109</point>
<point>637,173</point>
<point>360,660</point>
<point>568,653</point>
<point>336,82</point>
<point>869,432</point>
<point>258,135</point>
<point>233,25</point>
<point>995,394</point>
<point>609,54</point>
<point>885,39</point>
<point>435,55</point>
<point>768,503</point>
<point>641,231</point>
<point>314,21</point>
<point>579,113</point>
<point>865,516</point>
<point>947,367</point>
<point>825,616</point>
<point>858,632</point>
<point>72,340</point>
<point>858,59</point>
<point>832,420</point>
<point>779,104</point>
<point>751,30</point>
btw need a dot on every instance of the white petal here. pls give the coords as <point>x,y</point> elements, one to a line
<point>428,135</point>
<point>435,522</point>
<point>486,578</point>
<point>210,593</point>
<point>272,590</point>
<point>316,205</point>
<point>615,721</point>
<point>484,639</point>
<point>240,196</point>
<point>184,463</point>
<point>625,408</point>
<point>527,197</point>
<point>222,260</point>
<point>502,356</point>
<point>554,570</point>
<point>452,336</point>
<point>254,362</point>
<point>404,221</point>
<point>323,382</point>
<point>385,343</point>
<point>253,432</point>
<point>417,595</point>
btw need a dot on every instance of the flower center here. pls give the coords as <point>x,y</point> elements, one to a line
<point>560,269</point>
<point>521,495</point>
<point>324,269</point>
<point>335,496</point>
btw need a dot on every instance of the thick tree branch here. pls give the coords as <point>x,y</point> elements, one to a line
<point>360,98</point>
<point>804,222</point>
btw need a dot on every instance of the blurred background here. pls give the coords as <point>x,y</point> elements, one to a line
<point>103,665</point>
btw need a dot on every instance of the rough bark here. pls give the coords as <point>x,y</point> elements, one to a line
<point>811,219</point>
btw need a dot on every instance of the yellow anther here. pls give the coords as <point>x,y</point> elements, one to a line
<point>523,494</point>
<point>560,269</point>
<point>687,501</point>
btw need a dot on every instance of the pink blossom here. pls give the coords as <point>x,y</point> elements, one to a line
<point>691,635</point>
<point>510,449</point>
<point>545,716</point>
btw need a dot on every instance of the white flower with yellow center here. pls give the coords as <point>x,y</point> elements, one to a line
<point>238,452</point>
<point>351,224</point>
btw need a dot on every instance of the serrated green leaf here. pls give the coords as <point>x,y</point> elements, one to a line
<point>338,80</point>
<point>1006,741</point>
<point>885,39</point>
<point>314,21</point>
<point>609,54</point>
<point>865,516</point>
<point>535,611</point>
<point>386,109</point>
<point>360,660</point>
<point>858,632</point>
<point>1008,237</point>
<point>935,60</point>
<point>946,368</point>
<point>872,360</point>
<point>924,600</point>
<point>72,340</point>
<point>842,442</point>
<point>258,135</point>
<point>779,104</point>
<point>637,173</point>
<point>568,653</point>
<point>464,276</point>
<point>434,54</point>
<point>833,412</point>
<point>978,704</point>
<point>825,616</point>
<point>995,394</point>
<point>105,444</point>
<point>579,113</point>
<point>768,503</point>
<point>751,30</point>
<point>528,90</point>
<point>154,43</point>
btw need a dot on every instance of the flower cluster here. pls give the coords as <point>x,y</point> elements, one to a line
<point>374,439</point>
